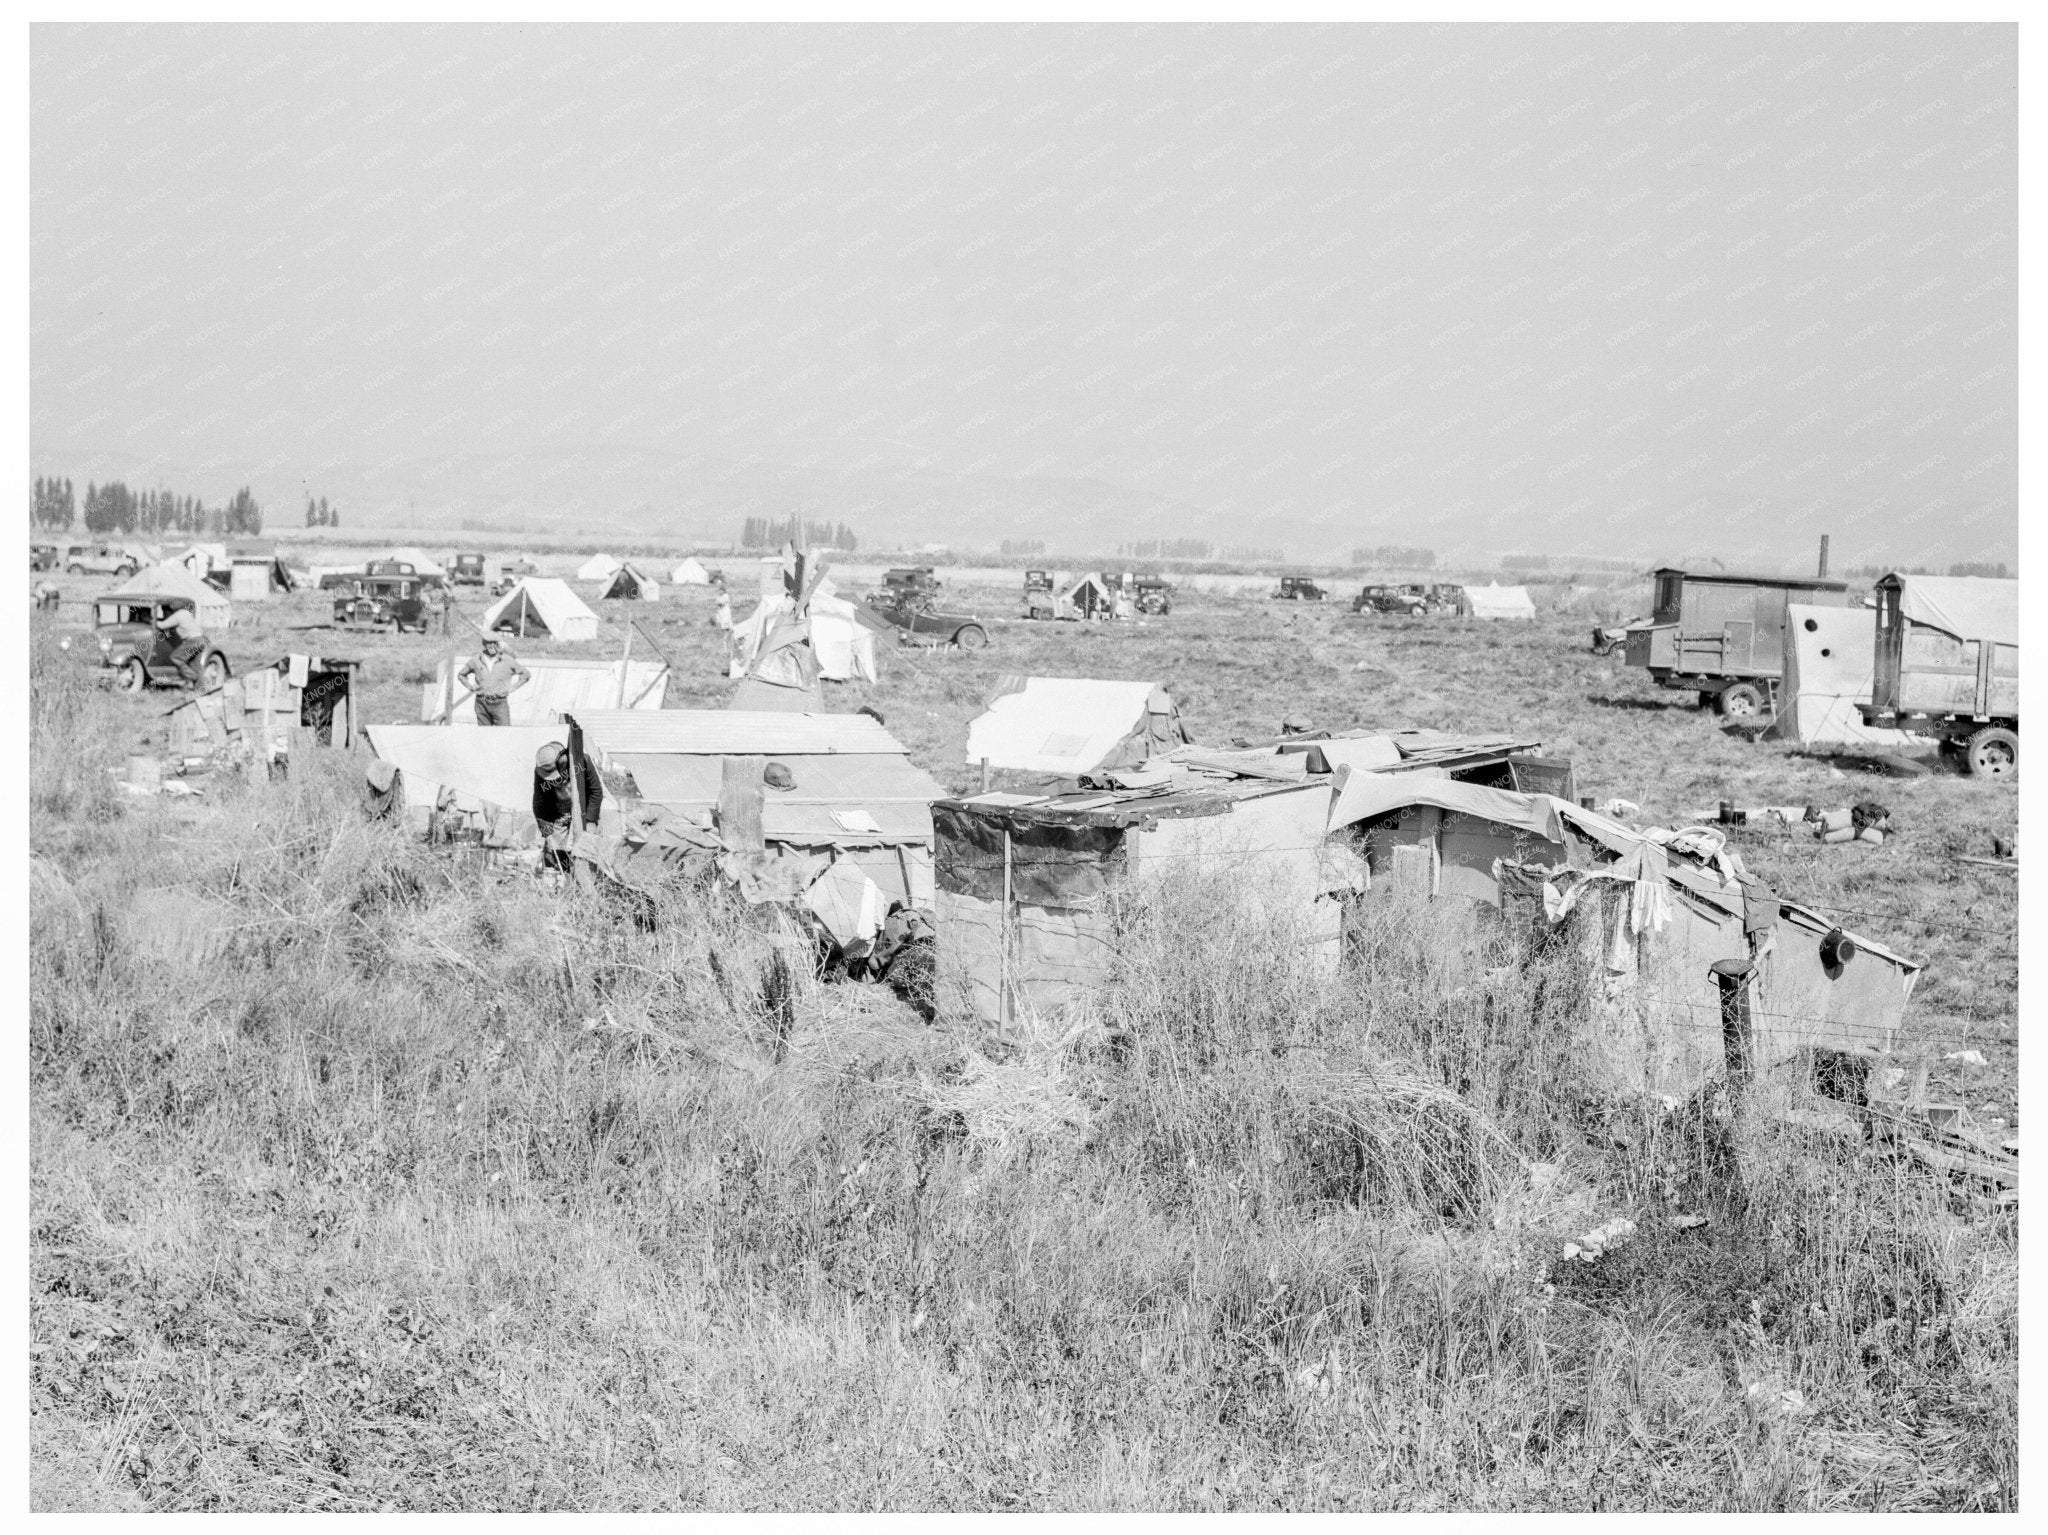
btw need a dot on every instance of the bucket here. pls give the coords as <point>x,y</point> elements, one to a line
<point>146,774</point>
<point>1836,820</point>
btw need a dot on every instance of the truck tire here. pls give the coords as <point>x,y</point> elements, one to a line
<point>1992,753</point>
<point>970,637</point>
<point>134,676</point>
<point>214,672</point>
<point>1741,703</point>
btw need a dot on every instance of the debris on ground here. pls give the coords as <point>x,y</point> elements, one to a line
<point>1966,1057</point>
<point>1592,1244</point>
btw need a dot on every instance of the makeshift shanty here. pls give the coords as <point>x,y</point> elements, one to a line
<point>209,602</point>
<point>1827,675</point>
<point>767,645</point>
<point>1073,725</point>
<point>626,584</point>
<point>1025,880</point>
<point>481,780</point>
<point>690,572</point>
<point>258,577</point>
<point>542,605</point>
<point>599,567</point>
<point>1496,601</point>
<point>1642,915</point>
<point>1085,597</point>
<point>555,686</point>
<point>422,563</point>
<point>202,559</point>
<point>311,700</point>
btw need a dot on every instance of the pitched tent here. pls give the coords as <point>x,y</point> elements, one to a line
<point>201,559</point>
<point>690,572</point>
<point>488,772</point>
<point>1645,911</point>
<point>627,584</point>
<point>1496,601</point>
<point>556,685</point>
<point>1085,596</point>
<point>542,605</point>
<point>212,605</point>
<point>854,802</point>
<point>599,567</point>
<point>421,562</point>
<point>1073,725</point>
<point>781,657</point>
<point>1828,666</point>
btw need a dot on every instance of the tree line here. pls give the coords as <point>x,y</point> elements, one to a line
<point>773,532</point>
<point>114,508</point>
<point>320,515</point>
<point>1397,555</point>
<point>1167,549</point>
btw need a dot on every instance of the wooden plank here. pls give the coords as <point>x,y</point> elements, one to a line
<point>739,804</point>
<point>1242,767</point>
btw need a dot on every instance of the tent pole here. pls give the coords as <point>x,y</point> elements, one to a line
<point>625,656</point>
<point>984,775</point>
<point>1003,992</point>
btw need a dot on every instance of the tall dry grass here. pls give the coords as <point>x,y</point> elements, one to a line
<point>432,1190</point>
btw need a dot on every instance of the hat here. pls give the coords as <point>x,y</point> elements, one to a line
<point>492,642</point>
<point>777,776</point>
<point>1296,724</point>
<point>549,758</point>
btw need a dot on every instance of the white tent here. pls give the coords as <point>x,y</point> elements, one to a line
<point>212,605</point>
<point>690,572</point>
<point>1073,725</point>
<point>1829,656</point>
<point>1496,601</point>
<point>202,559</point>
<point>627,584</point>
<point>843,646</point>
<point>599,567</point>
<point>543,605</point>
<point>421,562</point>
<point>555,685</point>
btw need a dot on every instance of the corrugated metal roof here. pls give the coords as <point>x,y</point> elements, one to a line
<point>734,733</point>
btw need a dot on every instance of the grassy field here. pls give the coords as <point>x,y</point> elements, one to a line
<point>434,1191</point>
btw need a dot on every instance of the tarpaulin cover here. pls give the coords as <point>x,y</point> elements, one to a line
<point>1496,601</point>
<point>850,905</point>
<point>1050,865</point>
<point>1969,607</point>
<point>1365,753</point>
<point>599,567</point>
<point>422,563</point>
<point>1073,725</point>
<point>547,605</point>
<point>556,685</point>
<point>1361,796</point>
<point>1828,666</point>
<point>494,766</point>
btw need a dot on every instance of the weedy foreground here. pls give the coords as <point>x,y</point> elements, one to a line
<point>427,1191</point>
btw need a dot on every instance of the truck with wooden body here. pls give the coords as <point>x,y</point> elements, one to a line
<point>1946,664</point>
<point>1722,635</point>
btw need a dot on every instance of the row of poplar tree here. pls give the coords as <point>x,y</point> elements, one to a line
<point>114,508</point>
<point>772,532</point>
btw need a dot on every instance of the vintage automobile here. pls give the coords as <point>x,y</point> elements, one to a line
<point>135,654</point>
<point>468,570</point>
<point>1946,665</point>
<point>398,602</point>
<point>426,578</point>
<point>1413,598</point>
<point>42,556</point>
<point>1038,594</point>
<point>1152,594</point>
<point>101,560</point>
<point>1300,589</point>
<point>910,610</point>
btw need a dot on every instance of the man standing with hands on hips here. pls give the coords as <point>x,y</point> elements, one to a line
<point>493,675</point>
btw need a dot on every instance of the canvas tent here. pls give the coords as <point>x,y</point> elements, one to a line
<point>599,567</point>
<point>212,605</point>
<point>1085,597</point>
<point>421,562</point>
<point>1643,912</point>
<point>1828,667</point>
<point>627,584</point>
<point>1496,601</point>
<point>488,774</point>
<point>558,685</point>
<point>202,559</point>
<point>1073,725</point>
<point>690,572</point>
<point>542,605</point>
<point>847,811</point>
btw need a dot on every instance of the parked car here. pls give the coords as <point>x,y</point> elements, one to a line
<point>385,602</point>
<point>42,557</point>
<point>101,560</point>
<point>429,578</point>
<point>340,580</point>
<point>1038,594</point>
<point>1723,635</point>
<point>1153,594</point>
<point>911,611</point>
<point>1946,664</point>
<point>468,570</point>
<point>911,578</point>
<point>135,654</point>
<point>1300,589</point>
<point>1413,598</point>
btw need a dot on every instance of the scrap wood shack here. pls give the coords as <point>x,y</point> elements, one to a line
<point>258,712</point>
<point>821,810</point>
<point>1643,913</point>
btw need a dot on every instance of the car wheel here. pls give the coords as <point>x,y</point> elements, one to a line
<point>124,571</point>
<point>971,637</point>
<point>1993,753</point>
<point>74,569</point>
<point>214,674</point>
<point>1415,612</point>
<point>1740,703</point>
<point>133,677</point>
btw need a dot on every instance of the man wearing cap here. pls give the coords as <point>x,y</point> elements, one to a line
<point>188,641</point>
<point>555,798</point>
<point>493,675</point>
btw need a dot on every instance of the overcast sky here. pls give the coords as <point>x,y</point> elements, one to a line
<point>1550,287</point>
